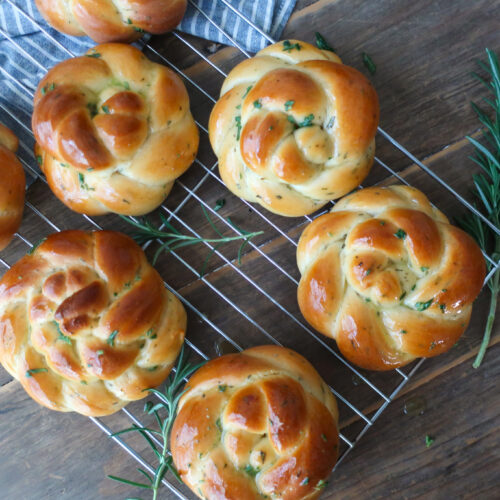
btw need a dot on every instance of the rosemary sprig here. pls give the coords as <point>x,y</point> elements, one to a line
<point>487,187</point>
<point>169,400</point>
<point>172,239</point>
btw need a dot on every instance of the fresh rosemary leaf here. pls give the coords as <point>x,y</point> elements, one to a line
<point>172,239</point>
<point>487,186</point>
<point>422,306</point>
<point>322,43</point>
<point>34,371</point>
<point>369,64</point>
<point>168,402</point>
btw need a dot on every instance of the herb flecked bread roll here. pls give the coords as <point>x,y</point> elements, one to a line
<point>388,277</point>
<point>257,424</point>
<point>294,128</point>
<point>12,186</point>
<point>113,131</point>
<point>111,20</point>
<point>86,323</point>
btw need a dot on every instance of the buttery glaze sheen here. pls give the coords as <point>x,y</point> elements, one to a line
<point>294,128</point>
<point>86,323</point>
<point>260,423</point>
<point>112,21</point>
<point>12,186</point>
<point>388,277</point>
<point>113,131</point>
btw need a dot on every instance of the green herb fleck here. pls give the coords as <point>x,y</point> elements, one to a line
<point>257,104</point>
<point>305,481</point>
<point>424,269</point>
<point>105,109</point>
<point>324,438</point>
<point>100,352</point>
<point>222,388</point>
<point>422,306</point>
<point>237,119</point>
<point>251,471</point>
<point>218,424</point>
<point>35,246</point>
<point>247,91</point>
<point>369,64</point>
<point>61,335</point>
<point>321,484</point>
<point>403,331</point>
<point>92,107</point>
<point>402,296</point>
<point>322,43</point>
<point>289,105</point>
<point>39,160</point>
<point>34,371</point>
<point>288,46</point>
<point>219,204</point>
<point>307,121</point>
<point>139,30</point>
<point>429,440</point>
<point>442,307</point>
<point>400,234</point>
<point>432,346</point>
<point>111,338</point>
<point>95,55</point>
<point>152,368</point>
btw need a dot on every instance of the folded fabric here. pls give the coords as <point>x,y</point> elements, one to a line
<point>26,52</point>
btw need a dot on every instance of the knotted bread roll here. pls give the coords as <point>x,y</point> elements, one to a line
<point>388,277</point>
<point>86,323</point>
<point>258,424</point>
<point>294,128</point>
<point>113,131</point>
<point>12,186</point>
<point>111,20</point>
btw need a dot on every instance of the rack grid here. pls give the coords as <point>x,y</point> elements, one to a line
<point>18,118</point>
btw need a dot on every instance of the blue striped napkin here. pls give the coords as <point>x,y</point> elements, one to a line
<point>26,52</point>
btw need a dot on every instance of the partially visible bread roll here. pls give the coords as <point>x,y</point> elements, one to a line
<point>258,424</point>
<point>113,131</point>
<point>112,21</point>
<point>12,187</point>
<point>388,277</point>
<point>294,128</point>
<point>86,323</point>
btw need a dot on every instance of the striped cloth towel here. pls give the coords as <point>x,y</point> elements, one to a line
<point>26,52</point>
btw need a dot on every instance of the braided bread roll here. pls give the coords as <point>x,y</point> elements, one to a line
<point>86,323</point>
<point>12,186</point>
<point>111,20</point>
<point>257,424</point>
<point>388,277</point>
<point>113,131</point>
<point>294,128</point>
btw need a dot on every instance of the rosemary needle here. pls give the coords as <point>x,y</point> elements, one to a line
<point>487,188</point>
<point>169,400</point>
<point>171,239</point>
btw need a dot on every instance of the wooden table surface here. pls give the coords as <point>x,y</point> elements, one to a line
<point>424,52</point>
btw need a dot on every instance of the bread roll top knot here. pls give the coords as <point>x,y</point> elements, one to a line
<point>12,186</point>
<point>388,277</point>
<point>86,323</point>
<point>258,423</point>
<point>294,128</point>
<point>112,21</point>
<point>113,131</point>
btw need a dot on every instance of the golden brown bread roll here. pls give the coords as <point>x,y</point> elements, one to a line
<point>112,21</point>
<point>388,277</point>
<point>113,131</point>
<point>12,186</point>
<point>86,323</point>
<point>257,424</point>
<point>294,128</point>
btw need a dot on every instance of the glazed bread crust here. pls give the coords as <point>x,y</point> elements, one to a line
<point>86,323</point>
<point>294,128</point>
<point>388,277</point>
<point>112,20</point>
<point>12,187</point>
<point>261,422</point>
<point>113,131</point>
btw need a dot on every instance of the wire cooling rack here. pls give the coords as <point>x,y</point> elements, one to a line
<point>366,395</point>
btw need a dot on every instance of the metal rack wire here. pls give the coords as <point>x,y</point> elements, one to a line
<point>19,119</point>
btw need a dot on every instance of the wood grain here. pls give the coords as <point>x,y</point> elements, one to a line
<point>424,52</point>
